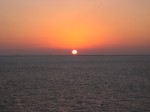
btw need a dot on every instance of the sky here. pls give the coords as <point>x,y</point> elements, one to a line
<point>59,26</point>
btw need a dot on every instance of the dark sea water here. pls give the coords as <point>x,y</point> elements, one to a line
<point>75,84</point>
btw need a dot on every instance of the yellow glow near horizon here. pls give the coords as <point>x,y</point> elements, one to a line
<point>68,24</point>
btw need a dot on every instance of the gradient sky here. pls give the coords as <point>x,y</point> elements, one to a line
<point>91,26</point>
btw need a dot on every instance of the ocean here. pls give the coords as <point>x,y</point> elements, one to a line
<point>74,83</point>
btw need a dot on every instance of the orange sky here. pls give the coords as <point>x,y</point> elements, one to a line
<point>58,26</point>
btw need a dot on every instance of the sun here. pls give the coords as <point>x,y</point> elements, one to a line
<point>74,52</point>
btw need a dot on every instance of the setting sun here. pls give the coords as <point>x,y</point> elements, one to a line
<point>57,27</point>
<point>74,52</point>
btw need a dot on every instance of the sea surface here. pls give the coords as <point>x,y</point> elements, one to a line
<point>75,84</point>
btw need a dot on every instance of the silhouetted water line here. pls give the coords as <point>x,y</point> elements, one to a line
<point>75,84</point>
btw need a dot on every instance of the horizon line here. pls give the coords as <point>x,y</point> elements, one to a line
<point>13,55</point>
